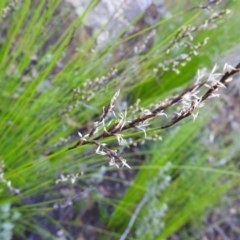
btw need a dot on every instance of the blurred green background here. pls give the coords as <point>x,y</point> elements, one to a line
<point>61,63</point>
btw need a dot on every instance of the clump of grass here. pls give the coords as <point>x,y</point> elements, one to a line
<point>48,102</point>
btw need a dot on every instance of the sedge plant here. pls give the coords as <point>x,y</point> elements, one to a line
<point>75,115</point>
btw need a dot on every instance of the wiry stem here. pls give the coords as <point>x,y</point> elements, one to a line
<point>141,121</point>
<point>223,80</point>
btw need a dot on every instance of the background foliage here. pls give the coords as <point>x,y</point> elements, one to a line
<point>47,58</point>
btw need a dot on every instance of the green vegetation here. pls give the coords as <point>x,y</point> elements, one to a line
<point>55,81</point>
